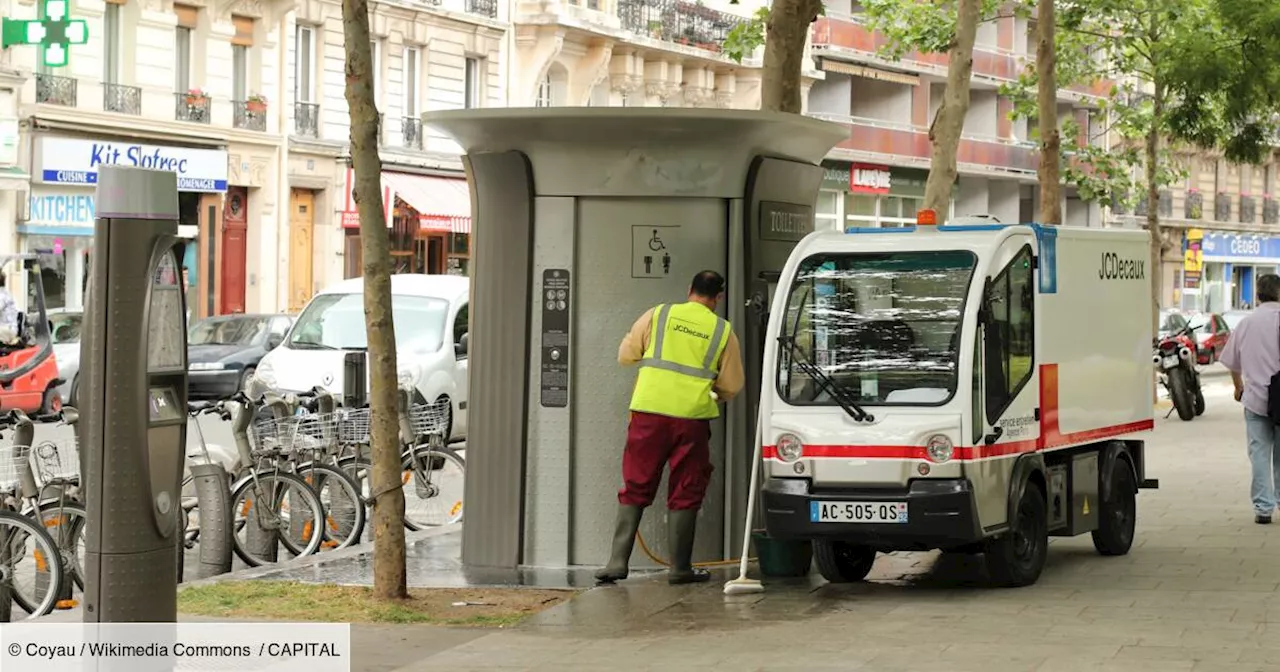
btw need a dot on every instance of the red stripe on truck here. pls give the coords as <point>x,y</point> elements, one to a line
<point>1051,437</point>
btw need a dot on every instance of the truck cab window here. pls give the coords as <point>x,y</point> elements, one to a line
<point>883,326</point>
<point>1010,346</point>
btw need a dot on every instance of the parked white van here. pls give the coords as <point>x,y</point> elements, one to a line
<point>430,314</point>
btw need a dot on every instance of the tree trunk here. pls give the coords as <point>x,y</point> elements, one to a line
<point>1047,101</point>
<point>389,581</point>
<point>1153,202</point>
<point>786,32</point>
<point>944,133</point>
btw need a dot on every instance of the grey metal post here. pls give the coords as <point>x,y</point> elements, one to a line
<point>214,502</point>
<point>134,420</point>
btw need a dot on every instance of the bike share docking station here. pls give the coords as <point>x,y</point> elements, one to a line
<point>133,424</point>
<point>585,218</point>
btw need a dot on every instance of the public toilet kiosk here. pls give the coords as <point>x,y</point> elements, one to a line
<point>932,387</point>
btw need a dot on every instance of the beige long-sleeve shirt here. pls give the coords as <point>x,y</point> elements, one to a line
<point>727,384</point>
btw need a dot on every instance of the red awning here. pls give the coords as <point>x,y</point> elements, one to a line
<point>443,204</point>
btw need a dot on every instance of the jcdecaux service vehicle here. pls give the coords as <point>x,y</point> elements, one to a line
<point>932,388</point>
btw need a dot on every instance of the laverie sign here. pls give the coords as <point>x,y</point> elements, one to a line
<point>76,161</point>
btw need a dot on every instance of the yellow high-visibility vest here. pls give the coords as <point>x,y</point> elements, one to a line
<point>681,362</point>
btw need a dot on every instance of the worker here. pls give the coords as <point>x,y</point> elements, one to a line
<point>689,361</point>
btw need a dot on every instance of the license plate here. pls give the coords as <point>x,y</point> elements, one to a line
<point>1171,361</point>
<point>858,512</point>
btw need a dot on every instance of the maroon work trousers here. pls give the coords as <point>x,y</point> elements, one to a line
<point>654,440</point>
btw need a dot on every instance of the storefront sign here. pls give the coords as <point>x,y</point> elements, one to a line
<point>75,161</point>
<point>786,222</point>
<point>869,179</point>
<point>835,176</point>
<point>61,208</point>
<point>8,141</point>
<point>1230,247</point>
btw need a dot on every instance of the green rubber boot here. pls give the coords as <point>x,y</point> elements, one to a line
<point>681,526</point>
<point>624,539</point>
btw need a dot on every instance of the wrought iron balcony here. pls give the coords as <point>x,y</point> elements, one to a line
<point>678,21</point>
<point>487,8</point>
<point>411,132</point>
<point>55,90</point>
<point>121,98</point>
<point>306,119</point>
<point>195,109</point>
<point>249,116</point>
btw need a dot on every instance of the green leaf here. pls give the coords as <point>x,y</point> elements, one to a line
<point>746,37</point>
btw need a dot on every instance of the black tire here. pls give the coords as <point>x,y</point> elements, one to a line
<point>51,402</point>
<point>245,377</point>
<point>66,533</point>
<point>1118,514</point>
<point>74,392</point>
<point>14,526</point>
<point>842,561</point>
<point>1198,401</point>
<point>1180,392</point>
<point>428,456</point>
<point>335,482</point>
<point>311,507</point>
<point>1016,558</point>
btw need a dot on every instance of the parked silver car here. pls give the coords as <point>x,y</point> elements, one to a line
<point>65,327</point>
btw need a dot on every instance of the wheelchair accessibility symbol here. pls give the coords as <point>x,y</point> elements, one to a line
<point>650,257</point>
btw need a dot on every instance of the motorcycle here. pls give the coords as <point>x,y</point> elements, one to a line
<point>1175,359</point>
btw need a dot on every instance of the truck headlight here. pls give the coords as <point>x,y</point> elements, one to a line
<point>405,377</point>
<point>939,448</point>
<point>789,448</point>
<point>264,379</point>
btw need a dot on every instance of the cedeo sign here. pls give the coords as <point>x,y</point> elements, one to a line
<point>865,178</point>
<point>75,161</point>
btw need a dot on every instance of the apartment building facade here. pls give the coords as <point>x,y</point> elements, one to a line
<point>446,54</point>
<point>180,86</point>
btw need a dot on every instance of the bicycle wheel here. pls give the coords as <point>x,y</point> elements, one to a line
<point>292,519</point>
<point>434,479</point>
<point>344,514</point>
<point>66,523</point>
<point>28,560</point>
<point>358,471</point>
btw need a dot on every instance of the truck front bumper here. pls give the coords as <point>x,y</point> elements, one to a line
<point>941,513</point>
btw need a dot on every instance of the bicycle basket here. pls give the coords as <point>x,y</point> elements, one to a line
<point>56,461</point>
<point>353,426</point>
<point>430,419</point>
<point>13,461</point>
<point>295,433</point>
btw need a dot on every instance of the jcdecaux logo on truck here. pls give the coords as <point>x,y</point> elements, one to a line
<point>75,161</point>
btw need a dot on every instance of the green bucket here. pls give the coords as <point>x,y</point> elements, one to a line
<point>782,557</point>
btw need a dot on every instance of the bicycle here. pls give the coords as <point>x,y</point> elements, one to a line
<point>58,503</point>
<point>293,511</point>
<point>40,595</point>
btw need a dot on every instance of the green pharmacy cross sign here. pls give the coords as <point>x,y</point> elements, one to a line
<point>54,33</point>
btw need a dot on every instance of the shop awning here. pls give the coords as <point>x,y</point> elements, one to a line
<point>13,178</point>
<point>443,204</point>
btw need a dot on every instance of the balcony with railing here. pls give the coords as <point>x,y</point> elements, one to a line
<point>679,22</point>
<point>848,33</point>
<point>121,98</point>
<point>411,132</point>
<point>306,119</point>
<point>55,90</point>
<point>195,108</point>
<point>249,115</point>
<point>488,8</point>
<point>893,140</point>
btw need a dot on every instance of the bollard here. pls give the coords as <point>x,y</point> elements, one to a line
<point>213,501</point>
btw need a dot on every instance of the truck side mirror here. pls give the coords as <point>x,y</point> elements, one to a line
<point>274,341</point>
<point>460,349</point>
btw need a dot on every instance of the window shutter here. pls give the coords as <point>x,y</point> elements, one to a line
<point>187,16</point>
<point>244,31</point>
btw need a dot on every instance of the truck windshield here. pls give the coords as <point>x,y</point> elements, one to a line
<point>884,327</point>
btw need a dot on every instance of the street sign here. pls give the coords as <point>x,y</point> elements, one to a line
<point>55,32</point>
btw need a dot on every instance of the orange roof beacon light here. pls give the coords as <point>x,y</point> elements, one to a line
<point>926,218</point>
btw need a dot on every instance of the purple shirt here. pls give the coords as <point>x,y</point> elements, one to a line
<point>1253,351</point>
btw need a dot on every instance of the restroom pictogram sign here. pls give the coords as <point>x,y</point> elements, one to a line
<point>653,250</point>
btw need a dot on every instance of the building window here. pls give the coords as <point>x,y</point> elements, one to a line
<point>183,46</point>
<point>826,214</point>
<point>544,93</point>
<point>111,44</point>
<point>375,49</point>
<point>304,78</point>
<point>472,78</point>
<point>240,45</point>
<point>1269,180</point>
<point>872,211</point>
<point>412,73</point>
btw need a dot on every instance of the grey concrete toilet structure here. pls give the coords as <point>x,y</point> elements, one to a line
<point>583,218</point>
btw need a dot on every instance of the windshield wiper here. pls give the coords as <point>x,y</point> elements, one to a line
<point>837,391</point>
<point>310,345</point>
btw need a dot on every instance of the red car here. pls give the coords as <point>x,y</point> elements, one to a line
<point>1211,334</point>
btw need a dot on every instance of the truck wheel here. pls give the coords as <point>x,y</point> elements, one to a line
<point>1118,514</point>
<point>1180,391</point>
<point>841,561</point>
<point>1016,558</point>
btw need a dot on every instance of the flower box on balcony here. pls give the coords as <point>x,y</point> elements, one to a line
<point>256,104</point>
<point>196,98</point>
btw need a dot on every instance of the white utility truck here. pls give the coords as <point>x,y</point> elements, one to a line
<point>969,388</point>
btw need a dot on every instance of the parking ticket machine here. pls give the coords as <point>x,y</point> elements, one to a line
<point>133,409</point>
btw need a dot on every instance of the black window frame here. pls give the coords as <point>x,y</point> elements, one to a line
<point>995,411</point>
<point>461,325</point>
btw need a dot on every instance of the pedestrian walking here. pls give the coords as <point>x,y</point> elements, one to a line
<point>1253,357</point>
<point>690,360</point>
